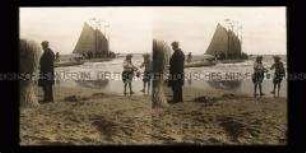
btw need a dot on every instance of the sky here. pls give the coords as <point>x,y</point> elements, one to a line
<point>131,29</point>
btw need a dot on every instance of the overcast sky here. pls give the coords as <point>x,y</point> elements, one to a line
<point>131,29</point>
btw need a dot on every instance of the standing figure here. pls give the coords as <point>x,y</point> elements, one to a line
<point>46,79</point>
<point>176,80</point>
<point>83,55</point>
<point>189,58</point>
<point>57,56</point>
<point>279,73</point>
<point>128,73</point>
<point>258,75</point>
<point>147,72</point>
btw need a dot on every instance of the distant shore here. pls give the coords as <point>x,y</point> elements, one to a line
<point>89,117</point>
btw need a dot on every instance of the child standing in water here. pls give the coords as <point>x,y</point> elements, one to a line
<point>128,73</point>
<point>258,75</point>
<point>147,72</point>
<point>189,58</point>
<point>279,73</point>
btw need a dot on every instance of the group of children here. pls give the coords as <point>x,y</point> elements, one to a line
<point>129,70</point>
<point>259,74</point>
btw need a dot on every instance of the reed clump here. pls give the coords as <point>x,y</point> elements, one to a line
<point>161,52</point>
<point>28,66</point>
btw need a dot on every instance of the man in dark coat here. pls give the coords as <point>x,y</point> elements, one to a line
<point>177,61</point>
<point>46,79</point>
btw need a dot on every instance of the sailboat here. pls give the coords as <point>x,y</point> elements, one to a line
<point>92,45</point>
<point>225,46</point>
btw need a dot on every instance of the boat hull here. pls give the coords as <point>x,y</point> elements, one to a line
<point>98,59</point>
<point>200,64</point>
<point>232,61</point>
<point>68,63</point>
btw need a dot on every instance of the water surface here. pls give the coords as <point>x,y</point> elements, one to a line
<point>234,77</point>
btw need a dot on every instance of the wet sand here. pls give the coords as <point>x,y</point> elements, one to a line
<point>83,116</point>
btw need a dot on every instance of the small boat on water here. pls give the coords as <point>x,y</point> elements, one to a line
<point>98,60</point>
<point>206,60</point>
<point>74,60</point>
<point>232,61</point>
<point>68,63</point>
<point>118,55</point>
<point>200,63</point>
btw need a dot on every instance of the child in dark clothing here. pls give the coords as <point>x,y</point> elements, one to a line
<point>278,74</point>
<point>258,75</point>
<point>147,72</point>
<point>128,73</point>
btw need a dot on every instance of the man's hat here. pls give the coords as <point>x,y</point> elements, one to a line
<point>146,55</point>
<point>259,58</point>
<point>276,57</point>
<point>175,43</point>
<point>129,55</point>
<point>44,43</point>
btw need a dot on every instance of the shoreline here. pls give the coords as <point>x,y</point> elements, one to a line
<point>207,117</point>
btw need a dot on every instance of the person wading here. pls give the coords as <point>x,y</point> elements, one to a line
<point>57,56</point>
<point>189,58</point>
<point>258,75</point>
<point>279,73</point>
<point>176,80</point>
<point>46,79</point>
<point>128,73</point>
<point>147,72</point>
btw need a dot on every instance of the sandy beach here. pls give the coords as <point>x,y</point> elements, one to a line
<point>82,116</point>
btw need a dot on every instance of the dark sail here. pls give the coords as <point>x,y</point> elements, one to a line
<point>92,40</point>
<point>224,42</point>
<point>102,44</point>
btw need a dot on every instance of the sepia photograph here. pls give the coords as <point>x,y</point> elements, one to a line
<point>153,75</point>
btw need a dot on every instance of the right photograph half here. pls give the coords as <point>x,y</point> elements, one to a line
<point>220,75</point>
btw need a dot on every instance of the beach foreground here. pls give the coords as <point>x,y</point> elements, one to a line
<point>89,117</point>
